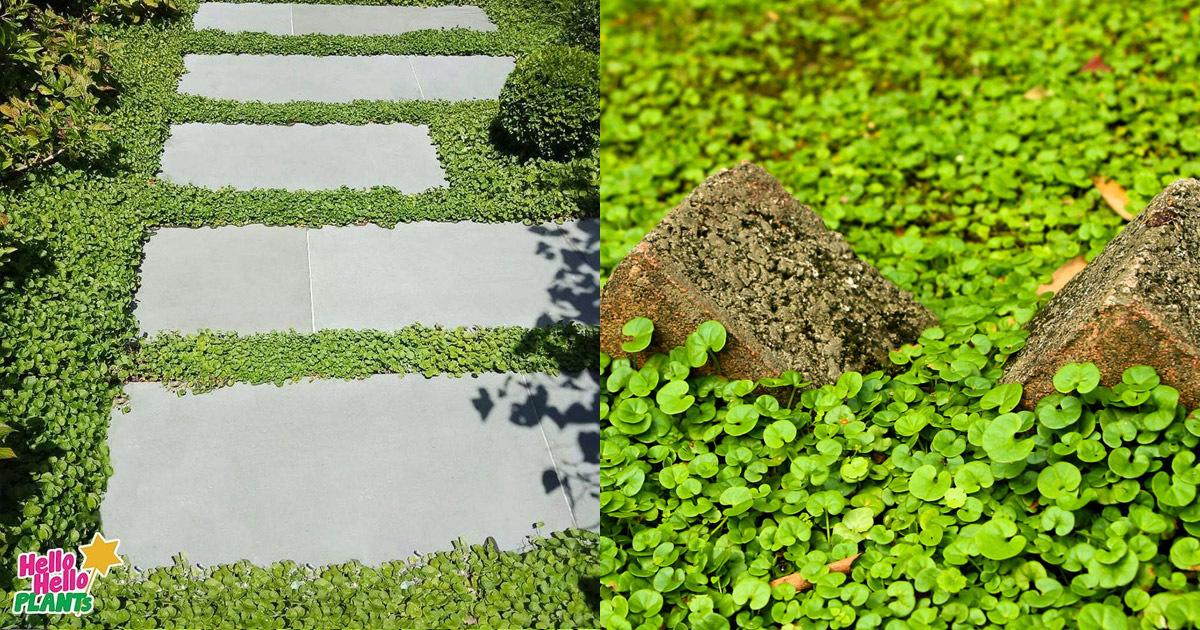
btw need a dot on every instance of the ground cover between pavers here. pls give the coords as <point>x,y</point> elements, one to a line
<point>339,79</point>
<point>328,471</point>
<point>256,279</point>
<point>304,19</point>
<point>302,157</point>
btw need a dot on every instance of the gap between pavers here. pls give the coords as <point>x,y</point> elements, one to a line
<point>302,157</point>
<point>328,471</point>
<point>342,79</point>
<point>306,19</point>
<point>255,279</point>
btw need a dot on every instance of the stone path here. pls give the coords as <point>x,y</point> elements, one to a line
<point>286,78</point>
<point>305,19</point>
<point>255,279</point>
<point>325,471</point>
<point>328,471</point>
<point>302,157</point>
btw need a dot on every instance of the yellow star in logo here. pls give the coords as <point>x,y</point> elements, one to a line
<point>100,555</point>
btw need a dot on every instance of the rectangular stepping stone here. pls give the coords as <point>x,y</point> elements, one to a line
<point>329,471</point>
<point>302,157</point>
<point>338,79</point>
<point>568,404</point>
<point>250,279</point>
<point>455,274</point>
<point>454,78</point>
<point>254,278</point>
<point>306,19</point>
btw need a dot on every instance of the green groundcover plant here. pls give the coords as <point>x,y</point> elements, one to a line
<point>960,508</point>
<point>547,585</point>
<point>204,361</point>
<point>71,241</point>
<point>942,138</point>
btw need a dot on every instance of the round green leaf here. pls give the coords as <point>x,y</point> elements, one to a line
<point>1000,442</point>
<point>928,483</point>
<point>641,329</point>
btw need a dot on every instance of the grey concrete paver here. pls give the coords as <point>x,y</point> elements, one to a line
<point>328,471</point>
<point>249,279</point>
<point>339,79</point>
<point>380,20</point>
<point>275,19</point>
<point>569,408</point>
<point>305,19</point>
<point>302,157</point>
<point>455,274</point>
<point>460,78</point>
<point>286,78</point>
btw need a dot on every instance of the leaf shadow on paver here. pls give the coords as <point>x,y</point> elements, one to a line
<point>569,421</point>
<point>570,418</point>
<point>575,292</point>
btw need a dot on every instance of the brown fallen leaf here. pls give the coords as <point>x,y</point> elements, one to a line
<point>801,584</point>
<point>1096,64</point>
<point>1114,195</point>
<point>1063,274</point>
<point>1036,93</point>
<point>773,16</point>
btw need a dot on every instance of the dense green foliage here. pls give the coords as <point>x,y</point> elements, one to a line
<point>66,326</point>
<point>953,144</point>
<point>581,20</point>
<point>550,105</point>
<point>548,586</point>
<point>914,128</point>
<point>967,510</point>
<point>52,73</point>
<point>204,361</point>
<point>55,76</point>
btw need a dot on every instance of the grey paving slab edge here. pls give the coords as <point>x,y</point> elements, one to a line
<point>455,274</point>
<point>249,279</point>
<point>304,19</point>
<point>254,278</point>
<point>329,471</point>
<point>338,79</point>
<point>302,157</point>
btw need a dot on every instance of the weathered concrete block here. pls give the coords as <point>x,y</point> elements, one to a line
<point>1137,303</point>
<point>791,293</point>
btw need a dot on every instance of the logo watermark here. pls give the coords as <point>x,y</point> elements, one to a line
<point>61,584</point>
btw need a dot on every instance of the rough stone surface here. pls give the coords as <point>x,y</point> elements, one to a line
<point>329,471</point>
<point>305,19</point>
<point>791,293</point>
<point>1137,303</point>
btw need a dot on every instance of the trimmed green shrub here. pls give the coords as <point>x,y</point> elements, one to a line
<point>550,105</point>
<point>582,23</point>
<point>952,506</point>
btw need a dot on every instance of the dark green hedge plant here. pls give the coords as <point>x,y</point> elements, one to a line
<point>582,24</point>
<point>550,105</point>
<point>955,507</point>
